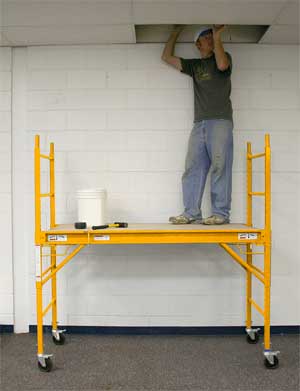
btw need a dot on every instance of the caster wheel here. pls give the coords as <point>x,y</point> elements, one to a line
<point>272,366</point>
<point>59,341</point>
<point>48,365</point>
<point>253,341</point>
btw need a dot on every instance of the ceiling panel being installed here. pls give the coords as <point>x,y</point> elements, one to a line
<point>233,33</point>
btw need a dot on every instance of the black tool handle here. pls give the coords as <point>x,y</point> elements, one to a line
<point>100,226</point>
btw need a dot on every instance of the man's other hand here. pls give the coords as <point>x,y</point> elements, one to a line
<point>218,29</point>
<point>178,28</point>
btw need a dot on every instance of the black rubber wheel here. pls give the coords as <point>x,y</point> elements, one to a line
<point>47,367</point>
<point>253,341</point>
<point>59,341</point>
<point>272,366</point>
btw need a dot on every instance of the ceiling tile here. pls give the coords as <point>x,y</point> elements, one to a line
<point>282,34</point>
<point>191,12</point>
<point>289,14</point>
<point>53,13</point>
<point>62,35</point>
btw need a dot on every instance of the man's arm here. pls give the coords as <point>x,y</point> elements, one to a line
<point>221,57</point>
<point>168,53</point>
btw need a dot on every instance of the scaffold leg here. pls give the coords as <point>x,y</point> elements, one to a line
<point>44,360</point>
<point>58,336</point>
<point>252,334</point>
<point>271,359</point>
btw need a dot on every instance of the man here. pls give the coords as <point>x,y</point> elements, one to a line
<point>211,141</point>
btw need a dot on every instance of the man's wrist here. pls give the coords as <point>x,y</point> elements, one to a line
<point>217,37</point>
<point>176,33</point>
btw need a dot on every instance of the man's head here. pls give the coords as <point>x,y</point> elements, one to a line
<point>204,41</point>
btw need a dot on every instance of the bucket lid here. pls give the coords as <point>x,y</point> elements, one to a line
<point>88,191</point>
<point>91,193</point>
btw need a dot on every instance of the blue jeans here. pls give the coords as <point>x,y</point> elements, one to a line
<point>210,145</point>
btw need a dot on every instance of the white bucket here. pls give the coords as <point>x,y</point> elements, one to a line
<point>92,206</point>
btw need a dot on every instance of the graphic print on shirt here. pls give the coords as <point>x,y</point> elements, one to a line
<point>201,73</point>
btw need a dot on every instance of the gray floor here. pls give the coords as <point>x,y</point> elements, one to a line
<point>94,362</point>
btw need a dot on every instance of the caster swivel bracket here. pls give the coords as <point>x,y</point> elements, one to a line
<point>42,358</point>
<point>252,332</point>
<point>56,333</point>
<point>270,356</point>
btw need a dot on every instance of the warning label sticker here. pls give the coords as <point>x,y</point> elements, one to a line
<point>57,238</point>
<point>247,236</point>
<point>102,237</point>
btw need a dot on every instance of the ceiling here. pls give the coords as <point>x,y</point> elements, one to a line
<point>59,22</point>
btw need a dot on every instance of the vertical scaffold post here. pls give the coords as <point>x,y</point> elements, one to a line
<point>54,290</point>
<point>52,187</point>
<point>248,246</point>
<point>53,248</point>
<point>57,335</point>
<point>271,359</point>
<point>38,256</point>
<point>249,185</point>
<point>44,360</point>
<point>39,301</point>
<point>37,188</point>
<point>267,246</point>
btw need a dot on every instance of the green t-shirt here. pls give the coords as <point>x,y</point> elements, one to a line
<point>212,88</point>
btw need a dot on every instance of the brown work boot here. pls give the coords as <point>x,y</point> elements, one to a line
<point>181,219</point>
<point>215,220</point>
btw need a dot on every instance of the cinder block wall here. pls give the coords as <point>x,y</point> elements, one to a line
<point>6,280</point>
<point>120,118</point>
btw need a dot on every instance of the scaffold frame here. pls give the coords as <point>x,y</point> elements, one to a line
<point>226,236</point>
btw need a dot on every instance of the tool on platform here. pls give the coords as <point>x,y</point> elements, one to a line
<point>114,225</point>
<point>117,224</point>
<point>80,225</point>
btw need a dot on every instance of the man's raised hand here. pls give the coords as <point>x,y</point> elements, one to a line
<point>218,29</point>
<point>178,28</point>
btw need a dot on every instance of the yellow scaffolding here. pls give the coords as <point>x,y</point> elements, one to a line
<point>227,236</point>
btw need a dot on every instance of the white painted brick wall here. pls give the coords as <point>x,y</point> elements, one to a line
<point>6,279</point>
<point>120,118</point>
